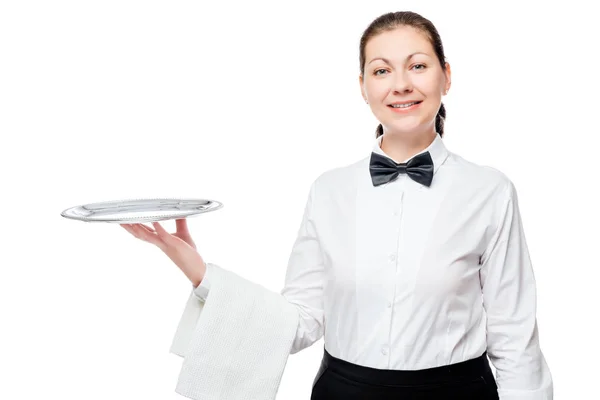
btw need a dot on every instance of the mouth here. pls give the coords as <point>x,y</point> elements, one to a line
<point>398,107</point>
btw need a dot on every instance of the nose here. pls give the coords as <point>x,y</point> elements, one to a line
<point>402,83</point>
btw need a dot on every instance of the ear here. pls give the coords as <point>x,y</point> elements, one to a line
<point>448,73</point>
<point>362,89</point>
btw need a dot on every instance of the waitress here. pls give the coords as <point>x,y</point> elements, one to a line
<point>411,262</point>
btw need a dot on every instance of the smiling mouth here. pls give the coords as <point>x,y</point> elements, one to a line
<point>405,108</point>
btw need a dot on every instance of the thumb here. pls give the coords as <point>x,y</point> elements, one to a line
<point>181,225</point>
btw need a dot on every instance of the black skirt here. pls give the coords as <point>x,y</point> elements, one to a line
<point>341,380</point>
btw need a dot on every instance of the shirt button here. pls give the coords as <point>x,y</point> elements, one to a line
<point>389,304</point>
<point>384,351</point>
<point>392,257</point>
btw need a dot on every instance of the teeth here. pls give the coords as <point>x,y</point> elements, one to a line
<point>403,105</point>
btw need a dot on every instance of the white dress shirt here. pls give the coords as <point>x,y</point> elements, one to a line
<point>405,276</point>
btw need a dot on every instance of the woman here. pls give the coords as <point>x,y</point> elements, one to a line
<point>412,262</point>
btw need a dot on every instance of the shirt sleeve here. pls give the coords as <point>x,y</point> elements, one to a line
<point>509,298</point>
<point>201,291</point>
<point>304,279</point>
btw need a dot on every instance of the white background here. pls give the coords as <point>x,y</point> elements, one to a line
<point>247,103</point>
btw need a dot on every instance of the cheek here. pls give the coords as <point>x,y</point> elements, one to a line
<point>375,86</point>
<point>377,90</point>
<point>427,85</point>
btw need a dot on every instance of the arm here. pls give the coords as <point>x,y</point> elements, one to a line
<point>303,282</point>
<point>509,298</point>
<point>304,279</point>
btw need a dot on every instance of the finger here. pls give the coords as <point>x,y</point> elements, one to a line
<point>160,231</point>
<point>147,236</point>
<point>142,226</point>
<point>181,225</point>
<point>135,228</point>
<point>147,228</point>
<point>134,231</point>
<point>127,227</point>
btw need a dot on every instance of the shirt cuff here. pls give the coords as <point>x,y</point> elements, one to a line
<point>201,291</point>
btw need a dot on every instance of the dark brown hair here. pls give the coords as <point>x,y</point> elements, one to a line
<point>393,20</point>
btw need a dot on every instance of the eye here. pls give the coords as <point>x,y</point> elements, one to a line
<point>416,65</point>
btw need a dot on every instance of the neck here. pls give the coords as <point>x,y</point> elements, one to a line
<point>402,147</point>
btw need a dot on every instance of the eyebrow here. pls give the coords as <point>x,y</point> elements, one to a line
<point>388,61</point>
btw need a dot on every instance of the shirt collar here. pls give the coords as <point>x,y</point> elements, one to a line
<point>436,149</point>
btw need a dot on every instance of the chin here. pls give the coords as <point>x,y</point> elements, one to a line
<point>405,127</point>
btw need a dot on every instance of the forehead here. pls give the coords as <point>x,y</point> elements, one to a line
<point>397,44</point>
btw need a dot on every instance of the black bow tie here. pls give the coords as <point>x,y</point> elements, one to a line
<point>384,169</point>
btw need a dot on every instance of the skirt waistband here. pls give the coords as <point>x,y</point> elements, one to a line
<point>464,371</point>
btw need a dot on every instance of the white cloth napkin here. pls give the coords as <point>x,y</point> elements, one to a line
<point>236,344</point>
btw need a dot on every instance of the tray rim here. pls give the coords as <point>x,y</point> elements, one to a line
<point>218,205</point>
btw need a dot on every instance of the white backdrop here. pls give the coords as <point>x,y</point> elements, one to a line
<point>247,103</point>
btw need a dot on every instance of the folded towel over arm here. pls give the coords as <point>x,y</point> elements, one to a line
<point>235,345</point>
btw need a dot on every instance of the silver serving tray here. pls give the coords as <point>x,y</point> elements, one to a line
<point>140,210</point>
